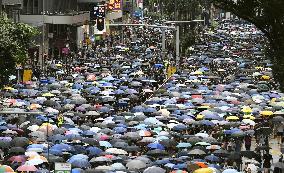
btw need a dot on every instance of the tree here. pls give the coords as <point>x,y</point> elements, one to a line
<point>15,39</point>
<point>268,16</point>
<point>184,10</point>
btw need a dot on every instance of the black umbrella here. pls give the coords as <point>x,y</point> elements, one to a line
<point>50,103</point>
<point>16,150</point>
<point>20,141</point>
<point>221,152</point>
<point>278,119</point>
<point>132,148</point>
<point>266,131</point>
<point>157,153</point>
<point>194,140</point>
<point>5,144</point>
<point>249,154</point>
<point>234,156</point>
<point>91,141</point>
<point>122,145</point>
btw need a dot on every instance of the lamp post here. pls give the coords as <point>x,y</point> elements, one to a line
<point>43,38</point>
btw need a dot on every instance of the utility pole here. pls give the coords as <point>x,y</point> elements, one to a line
<point>43,38</point>
<point>1,7</point>
<point>177,47</point>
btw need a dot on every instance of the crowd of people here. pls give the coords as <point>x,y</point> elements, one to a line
<point>115,108</point>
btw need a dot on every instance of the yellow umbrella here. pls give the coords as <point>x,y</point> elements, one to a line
<point>8,88</point>
<point>48,95</point>
<point>265,77</point>
<point>232,118</point>
<point>259,68</point>
<point>247,109</point>
<point>59,65</point>
<point>200,117</point>
<point>266,113</point>
<point>249,117</point>
<point>198,72</point>
<point>204,107</point>
<point>203,170</point>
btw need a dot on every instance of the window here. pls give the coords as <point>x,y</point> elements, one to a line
<point>36,3</point>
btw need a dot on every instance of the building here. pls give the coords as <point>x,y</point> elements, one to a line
<point>61,22</point>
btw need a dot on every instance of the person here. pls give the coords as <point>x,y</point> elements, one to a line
<point>267,160</point>
<point>248,142</point>
<point>60,120</point>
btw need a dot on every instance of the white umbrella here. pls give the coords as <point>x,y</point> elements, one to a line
<point>116,151</point>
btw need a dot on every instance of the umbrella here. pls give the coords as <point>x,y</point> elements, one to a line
<point>230,171</point>
<point>135,165</point>
<point>196,152</point>
<point>79,163</point>
<point>156,146</point>
<point>118,167</point>
<point>6,169</point>
<point>154,169</point>
<point>27,168</point>
<point>20,141</point>
<point>212,158</point>
<point>19,159</point>
<point>204,170</point>
<point>116,151</point>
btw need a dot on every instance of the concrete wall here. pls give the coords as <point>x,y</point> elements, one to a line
<point>37,20</point>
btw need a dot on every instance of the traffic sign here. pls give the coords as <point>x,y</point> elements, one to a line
<point>171,70</point>
<point>62,168</point>
<point>27,76</point>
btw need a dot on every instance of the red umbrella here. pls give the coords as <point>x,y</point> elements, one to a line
<point>27,168</point>
<point>19,159</point>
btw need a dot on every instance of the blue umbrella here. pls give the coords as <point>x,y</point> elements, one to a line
<point>73,137</point>
<point>150,110</point>
<point>179,127</point>
<point>104,109</point>
<point>55,152</point>
<point>36,146</point>
<point>105,144</point>
<point>158,65</point>
<point>77,86</point>
<point>119,91</point>
<point>138,109</point>
<point>207,123</point>
<point>184,145</point>
<point>212,117</point>
<point>78,156</point>
<point>119,130</point>
<point>94,151</point>
<point>80,163</point>
<point>62,147</point>
<point>231,131</point>
<point>162,162</point>
<point>180,166</point>
<point>212,158</point>
<point>156,146</point>
<point>89,133</point>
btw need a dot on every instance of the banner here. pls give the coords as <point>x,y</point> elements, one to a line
<point>115,5</point>
<point>27,76</point>
<point>139,4</point>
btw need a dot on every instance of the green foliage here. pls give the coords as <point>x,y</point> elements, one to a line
<point>15,39</point>
<point>184,10</point>
<point>268,16</point>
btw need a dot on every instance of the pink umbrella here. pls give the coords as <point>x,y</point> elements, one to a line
<point>27,168</point>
